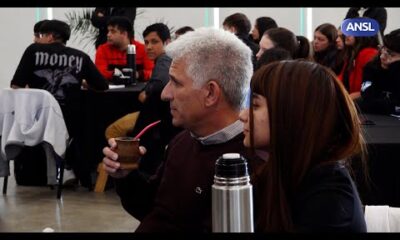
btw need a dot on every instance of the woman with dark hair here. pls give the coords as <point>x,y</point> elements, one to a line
<point>380,91</point>
<point>304,122</point>
<point>359,51</point>
<point>297,46</point>
<point>261,25</point>
<point>340,39</point>
<point>324,45</point>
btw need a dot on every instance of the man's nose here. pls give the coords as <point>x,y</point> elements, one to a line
<point>166,93</point>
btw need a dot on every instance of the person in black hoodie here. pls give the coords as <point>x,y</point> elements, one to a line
<point>380,90</point>
<point>240,25</point>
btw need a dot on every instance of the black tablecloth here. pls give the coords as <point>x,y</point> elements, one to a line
<point>99,110</point>
<point>382,135</point>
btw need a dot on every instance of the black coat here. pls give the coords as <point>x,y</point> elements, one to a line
<point>380,91</point>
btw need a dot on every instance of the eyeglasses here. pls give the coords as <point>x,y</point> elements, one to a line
<point>384,50</point>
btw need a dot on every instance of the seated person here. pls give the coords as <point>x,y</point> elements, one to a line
<point>358,52</point>
<point>205,101</point>
<point>304,184</point>
<point>52,66</point>
<point>112,55</point>
<point>156,37</point>
<point>380,91</point>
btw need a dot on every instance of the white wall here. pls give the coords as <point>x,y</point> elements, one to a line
<point>173,17</point>
<point>17,34</point>
<point>75,41</point>
<point>17,25</point>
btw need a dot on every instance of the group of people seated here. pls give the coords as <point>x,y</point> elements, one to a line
<point>298,130</point>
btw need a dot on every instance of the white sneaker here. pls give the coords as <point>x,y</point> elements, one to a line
<point>69,177</point>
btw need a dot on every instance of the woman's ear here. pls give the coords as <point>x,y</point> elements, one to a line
<point>213,93</point>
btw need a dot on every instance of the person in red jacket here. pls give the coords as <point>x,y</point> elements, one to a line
<point>359,51</point>
<point>112,55</point>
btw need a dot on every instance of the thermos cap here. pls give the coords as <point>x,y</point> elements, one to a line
<point>231,155</point>
<point>231,165</point>
<point>131,49</point>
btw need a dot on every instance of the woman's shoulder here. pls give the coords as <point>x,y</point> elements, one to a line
<point>328,200</point>
<point>328,176</point>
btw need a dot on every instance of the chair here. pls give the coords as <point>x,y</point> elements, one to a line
<point>382,218</point>
<point>29,117</point>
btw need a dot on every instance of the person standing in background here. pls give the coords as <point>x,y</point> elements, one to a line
<point>101,16</point>
<point>377,13</point>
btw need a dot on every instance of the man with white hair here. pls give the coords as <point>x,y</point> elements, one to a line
<point>209,77</point>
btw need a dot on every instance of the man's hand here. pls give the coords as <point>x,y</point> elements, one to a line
<point>110,163</point>
<point>142,96</point>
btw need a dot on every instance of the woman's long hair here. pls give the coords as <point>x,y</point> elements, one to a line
<point>352,52</point>
<point>263,24</point>
<point>312,121</point>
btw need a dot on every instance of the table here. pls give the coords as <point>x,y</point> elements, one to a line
<point>99,110</point>
<point>383,145</point>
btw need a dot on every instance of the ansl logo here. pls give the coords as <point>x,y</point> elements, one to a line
<point>360,27</point>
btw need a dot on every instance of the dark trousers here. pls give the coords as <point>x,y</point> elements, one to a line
<point>74,159</point>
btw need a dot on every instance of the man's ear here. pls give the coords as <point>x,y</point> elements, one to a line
<point>125,33</point>
<point>213,93</point>
<point>51,38</point>
<point>168,41</point>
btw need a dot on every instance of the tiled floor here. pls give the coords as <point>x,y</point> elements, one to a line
<point>32,209</point>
